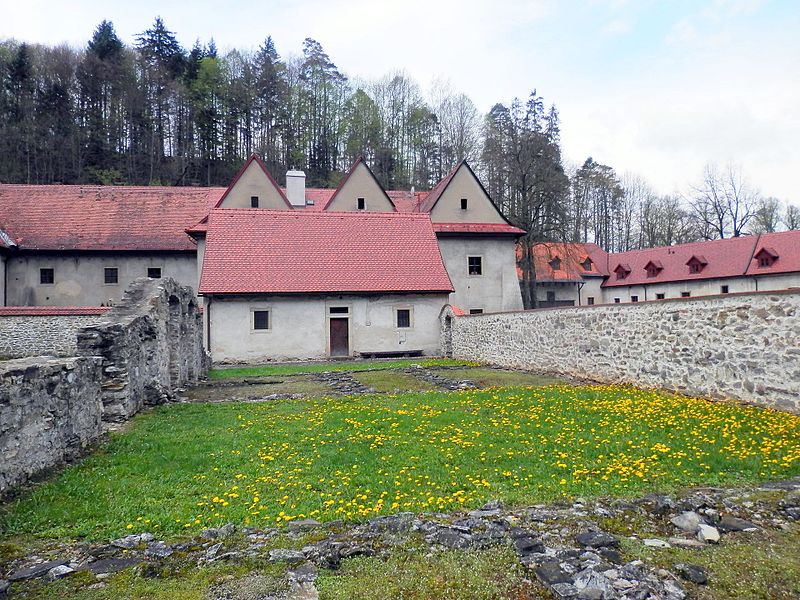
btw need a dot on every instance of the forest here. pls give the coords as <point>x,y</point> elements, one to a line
<point>156,113</point>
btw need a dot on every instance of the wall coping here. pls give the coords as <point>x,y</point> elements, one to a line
<point>626,305</point>
<point>52,311</point>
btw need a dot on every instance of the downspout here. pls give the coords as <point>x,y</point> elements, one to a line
<point>208,323</point>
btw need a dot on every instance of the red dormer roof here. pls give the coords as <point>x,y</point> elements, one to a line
<point>254,158</point>
<point>770,252</point>
<point>622,268</point>
<point>654,264</point>
<point>784,250</point>
<point>259,251</point>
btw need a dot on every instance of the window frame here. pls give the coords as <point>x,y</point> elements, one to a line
<point>361,204</point>
<point>724,289</point>
<point>160,273</point>
<point>476,311</point>
<point>590,300</point>
<point>465,204</point>
<point>52,273</point>
<point>260,309</point>
<point>254,200</point>
<point>661,296</point>
<point>686,294</point>
<point>410,311</point>
<point>480,265</point>
<point>635,298</point>
<point>106,270</point>
<point>617,301</point>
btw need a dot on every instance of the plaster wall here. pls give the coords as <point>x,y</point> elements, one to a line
<point>79,278</point>
<point>254,182</point>
<point>479,207</point>
<point>361,184</point>
<point>497,288</point>
<point>299,327</point>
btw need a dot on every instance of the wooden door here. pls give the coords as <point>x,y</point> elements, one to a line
<point>340,337</point>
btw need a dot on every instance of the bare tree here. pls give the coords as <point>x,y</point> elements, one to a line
<point>767,218</point>
<point>791,217</point>
<point>724,202</point>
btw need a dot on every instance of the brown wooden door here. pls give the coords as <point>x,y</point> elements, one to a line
<point>340,338</point>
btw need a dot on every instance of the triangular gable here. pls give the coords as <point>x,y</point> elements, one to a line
<point>360,182</point>
<point>443,202</point>
<point>253,179</point>
<point>697,259</point>
<point>766,253</point>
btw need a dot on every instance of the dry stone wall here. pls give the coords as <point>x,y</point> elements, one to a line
<point>50,410</point>
<point>151,344</point>
<point>742,346</point>
<point>53,335</point>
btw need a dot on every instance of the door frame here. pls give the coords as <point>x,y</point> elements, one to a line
<point>347,316</point>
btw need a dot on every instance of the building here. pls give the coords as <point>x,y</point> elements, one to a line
<point>581,274</point>
<point>83,245</point>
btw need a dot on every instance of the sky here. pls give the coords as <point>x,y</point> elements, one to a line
<point>657,88</point>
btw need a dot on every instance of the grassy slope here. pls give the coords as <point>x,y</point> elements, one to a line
<point>184,467</point>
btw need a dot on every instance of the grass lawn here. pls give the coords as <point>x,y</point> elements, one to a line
<point>290,384</point>
<point>181,468</point>
<point>483,377</point>
<point>345,365</point>
<point>393,381</point>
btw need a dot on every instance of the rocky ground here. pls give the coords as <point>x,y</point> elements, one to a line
<point>580,550</point>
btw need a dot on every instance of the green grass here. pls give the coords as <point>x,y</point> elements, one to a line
<point>366,365</point>
<point>483,377</point>
<point>392,381</point>
<point>454,575</point>
<point>290,384</point>
<point>183,467</point>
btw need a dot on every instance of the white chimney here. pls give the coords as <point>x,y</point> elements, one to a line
<point>296,188</point>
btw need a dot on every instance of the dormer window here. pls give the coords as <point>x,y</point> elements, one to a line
<point>622,271</point>
<point>362,204</point>
<point>463,204</point>
<point>253,201</point>
<point>696,264</point>
<point>653,268</point>
<point>766,257</point>
<point>555,263</point>
<point>587,264</point>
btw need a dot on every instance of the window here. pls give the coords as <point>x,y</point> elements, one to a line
<point>587,264</point>
<point>724,289</point>
<point>474,265</point>
<point>403,318</point>
<point>476,311</point>
<point>590,300</point>
<point>634,298</point>
<point>659,296</point>
<point>686,294</point>
<point>616,300</point>
<point>463,204</point>
<point>765,261</point>
<point>260,320</point>
<point>555,263</point>
<point>253,201</point>
<point>551,296</point>
<point>362,204</point>
<point>694,268</point>
<point>339,310</point>
<point>154,272</point>
<point>47,276</point>
<point>652,271</point>
<point>111,275</point>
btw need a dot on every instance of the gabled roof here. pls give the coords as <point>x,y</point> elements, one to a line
<point>85,217</point>
<point>656,264</point>
<point>254,158</point>
<point>785,247</point>
<point>477,228</point>
<point>622,267</point>
<point>288,252</point>
<point>359,161</point>
<point>767,252</point>
<point>697,258</point>
<point>572,257</point>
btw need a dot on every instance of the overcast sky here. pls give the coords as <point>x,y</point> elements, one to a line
<point>653,87</point>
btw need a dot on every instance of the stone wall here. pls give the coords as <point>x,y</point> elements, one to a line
<point>42,330</point>
<point>50,410</point>
<point>151,344</point>
<point>740,346</point>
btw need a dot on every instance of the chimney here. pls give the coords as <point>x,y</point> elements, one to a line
<point>296,188</point>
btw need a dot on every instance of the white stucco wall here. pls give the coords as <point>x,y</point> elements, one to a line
<point>709,287</point>
<point>479,207</point>
<point>79,279</point>
<point>254,182</point>
<point>497,288</point>
<point>299,326</point>
<point>361,184</point>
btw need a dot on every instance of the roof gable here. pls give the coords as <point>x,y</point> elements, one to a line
<point>302,252</point>
<point>360,182</point>
<point>444,201</point>
<point>254,180</point>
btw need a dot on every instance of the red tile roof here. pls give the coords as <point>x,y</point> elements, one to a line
<point>265,251</point>
<point>786,245</point>
<point>570,261</point>
<point>433,196</point>
<point>79,217</point>
<point>52,311</point>
<point>723,258</point>
<point>477,228</point>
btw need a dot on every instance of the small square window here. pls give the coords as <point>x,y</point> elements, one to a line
<point>260,320</point>
<point>403,317</point>
<point>476,311</point>
<point>616,300</point>
<point>765,261</point>
<point>154,272</point>
<point>724,289</point>
<point>634,298</point>
<point>362,204</point>
<point>590,300</point>
<point>659,296</point>
<point>463,204</point>
<point>694,268</point>
<point>111,275</point>
<point>551,296</point>
<point>253,201</point>
<point>686,294</point>
<point>474,265</point>
<point>47,276</point>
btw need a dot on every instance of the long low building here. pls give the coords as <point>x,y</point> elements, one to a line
<point>575,274</point>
